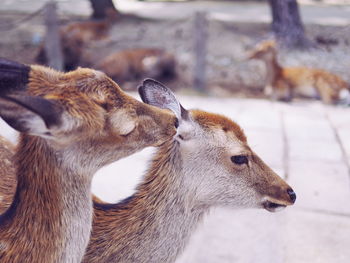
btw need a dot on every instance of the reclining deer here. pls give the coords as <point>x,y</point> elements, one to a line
<point>207,164</point>
<point>71,125</point>
<point>284,83</point>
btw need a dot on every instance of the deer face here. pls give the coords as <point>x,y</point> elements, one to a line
<point>83,111</point>
<point>226,172</point>
<point>265,51</point>
<point>220,167</point>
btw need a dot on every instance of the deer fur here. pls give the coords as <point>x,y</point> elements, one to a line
<point>284,83</point>
<point>188,175</point>
<point>7,174</point>
<point>134,64</point>
<point>71,125</point>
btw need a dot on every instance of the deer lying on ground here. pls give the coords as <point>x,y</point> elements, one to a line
<point>207,164</point>
<point>284,83</point>
<point>7,174</point>
<point>71,125</point>
<point>134,64</point>
<point>74,39</point>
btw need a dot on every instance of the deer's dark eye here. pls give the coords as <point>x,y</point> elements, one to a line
<point>239,159</point>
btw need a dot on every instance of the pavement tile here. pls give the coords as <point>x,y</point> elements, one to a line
<point>317,238</point>
<point>326,151</point>
<point>244,236</point>
<point>321,186</point>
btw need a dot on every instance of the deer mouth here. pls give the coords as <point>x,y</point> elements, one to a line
<point>273,207</point>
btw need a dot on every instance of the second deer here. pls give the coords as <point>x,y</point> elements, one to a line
<point>208,164</point>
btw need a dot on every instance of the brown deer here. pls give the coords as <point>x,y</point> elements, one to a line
<point>134,64</point>
<point>284,83</point>
<point>207,164</point>
<point>71,125</point>
<point>7,174</point>
<point>74,39</point>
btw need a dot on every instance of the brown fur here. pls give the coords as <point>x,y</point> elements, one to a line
<point>135,64</point>
<point>155,223</point>
<point>7,174</point>
<point>50,217</point>
<point>287,82</point>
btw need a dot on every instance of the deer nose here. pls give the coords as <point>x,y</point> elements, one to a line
<point>292,195</point>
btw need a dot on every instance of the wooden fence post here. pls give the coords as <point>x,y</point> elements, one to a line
<point>200,50</point>
<point>53,48</point>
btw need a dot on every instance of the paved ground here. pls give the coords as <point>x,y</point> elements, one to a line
<point>306,143</point>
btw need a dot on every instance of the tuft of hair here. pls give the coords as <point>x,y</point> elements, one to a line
<point>212,120</point>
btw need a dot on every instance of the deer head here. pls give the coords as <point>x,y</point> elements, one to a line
<point>221,168</point>
<point>265,51</point>
<point>80,108</point>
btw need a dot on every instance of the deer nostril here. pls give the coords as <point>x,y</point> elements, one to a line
<point>176,123</point>
<point>291,194</point>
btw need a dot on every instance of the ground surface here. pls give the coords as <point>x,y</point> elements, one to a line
<point>306,143</point>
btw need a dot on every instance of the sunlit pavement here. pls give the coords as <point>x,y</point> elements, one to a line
<point>308,144</point>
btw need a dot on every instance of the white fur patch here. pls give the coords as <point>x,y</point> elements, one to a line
<point>122,123</point>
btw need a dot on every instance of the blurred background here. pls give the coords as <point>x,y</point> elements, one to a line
<point>280,68</point>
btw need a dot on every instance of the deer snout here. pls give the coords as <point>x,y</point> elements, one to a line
<point>292,195</point>
<point>279,198</point>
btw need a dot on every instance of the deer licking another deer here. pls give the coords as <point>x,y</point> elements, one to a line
<point>71,125</point>
<point>284,83</point>
<point>207,164</point>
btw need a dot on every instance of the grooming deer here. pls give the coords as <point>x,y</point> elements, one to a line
<point>284,83</point>
<point>71,124</point>
<point>207,164</point>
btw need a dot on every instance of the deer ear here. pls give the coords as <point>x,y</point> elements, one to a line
<point>154,93</point>
<point>13,76</point>
<point>29,114</point>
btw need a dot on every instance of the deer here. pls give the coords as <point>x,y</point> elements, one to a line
<point>133,64</point>
<point>207,164</point>
<point>71,124</point>
<point>283,83</point>
<point>76,36</point>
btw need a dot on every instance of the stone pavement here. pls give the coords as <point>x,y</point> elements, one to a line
<point>308,144</point>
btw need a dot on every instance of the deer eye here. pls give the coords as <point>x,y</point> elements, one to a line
<point>239,159</point>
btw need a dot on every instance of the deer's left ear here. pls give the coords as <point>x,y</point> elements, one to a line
<point>14,76</point>
<point>30,114</point>
<point>155,93</point>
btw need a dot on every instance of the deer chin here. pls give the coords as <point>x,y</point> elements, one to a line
<point>273,207</point>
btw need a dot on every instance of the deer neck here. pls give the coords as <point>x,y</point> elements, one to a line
<point>153,225</point>
<point>51,213</point>
<point>273,69</point>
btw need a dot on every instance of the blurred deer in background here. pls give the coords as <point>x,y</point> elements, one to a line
<point>133,64</point>
<point>283,83</point>
<point>76,36</point>
<point>71,125</point>
<point>207,164</point>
